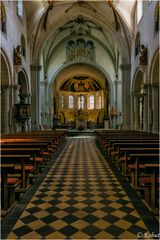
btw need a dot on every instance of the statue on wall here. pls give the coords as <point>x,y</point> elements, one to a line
<point>143,55</point>
<point>17,55</point>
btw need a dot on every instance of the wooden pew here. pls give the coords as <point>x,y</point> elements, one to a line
<point>136,159</point>
<point>19,153</point>
<point>21,161</point>
<point>112,143</point>
<point>119,145</point>
<point>150,181</point>
<point>124,152</point>
<point>8,186</point>
<point>133,150</point>
<point>36,155</point>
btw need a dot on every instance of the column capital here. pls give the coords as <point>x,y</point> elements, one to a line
<point>125,66</point>
<point>36,67</point>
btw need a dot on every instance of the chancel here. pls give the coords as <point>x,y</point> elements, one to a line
<point>80,119</point>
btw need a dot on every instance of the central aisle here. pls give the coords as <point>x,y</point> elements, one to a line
<point>80,198</point>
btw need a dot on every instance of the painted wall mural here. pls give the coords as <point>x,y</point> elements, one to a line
<point>80,84</point>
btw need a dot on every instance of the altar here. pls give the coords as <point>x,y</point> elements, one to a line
<point>81,117</point>
<point>81,125</point>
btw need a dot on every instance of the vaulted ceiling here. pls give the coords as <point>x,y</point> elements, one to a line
<point>51,23</point>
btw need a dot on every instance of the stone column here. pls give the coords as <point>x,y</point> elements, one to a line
<point>150,108</point>
<point>145,108</point>
<point>132,111</point>
<point>5,109</point>
<point>137,113</point>
<point>106,103</point>
<point>155,108</point>
<point>126,69</point>
<point>35,99</point>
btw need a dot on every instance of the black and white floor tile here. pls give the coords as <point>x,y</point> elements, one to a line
<point>80,198</point>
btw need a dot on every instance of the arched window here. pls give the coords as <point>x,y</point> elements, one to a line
<point>139,10</point>
<point>91,102</point>
<point>62,101</point>
<point>137,44</point>
<point>156,19</point>
<point>23,46</point>
<point>20,8</point>
<point>3,18</point>
<point>99,102</point>
<point>71,102</point>
<point>81,102</point>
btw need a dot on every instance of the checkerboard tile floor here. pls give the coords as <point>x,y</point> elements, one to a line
<point>80,198</point>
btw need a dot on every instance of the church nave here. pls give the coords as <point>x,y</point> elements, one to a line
<point>81,197</point>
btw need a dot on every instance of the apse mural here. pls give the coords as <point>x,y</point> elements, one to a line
<point>80,84</point>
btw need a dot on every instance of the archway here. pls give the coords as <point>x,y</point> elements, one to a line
<point>5,108</point>
<point>23,83</point>
<point>155,94</point>
<point>22,111</point>
<point>138,101</point>
<point>81,82</point>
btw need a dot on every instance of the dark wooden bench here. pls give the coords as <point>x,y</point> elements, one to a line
<point>21,161</point>
<point>135,160</point>
<point>8,186</point>
<point>36,155</point>
<point>150,181</point>
<point>119,145</point>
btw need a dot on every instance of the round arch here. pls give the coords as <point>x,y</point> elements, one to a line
<point>5,69</point>
<point>93,65</point>
<point>23,81</point>
<point>154,93</point>
<point>102,72</point>
<point>137,82</point>
<point>5,92</point>
<point>137,101</point>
